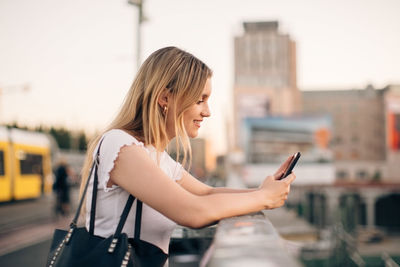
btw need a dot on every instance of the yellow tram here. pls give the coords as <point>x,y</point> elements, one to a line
<point>25,164</point>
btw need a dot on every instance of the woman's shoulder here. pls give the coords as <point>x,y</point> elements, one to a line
<point>120,137</point>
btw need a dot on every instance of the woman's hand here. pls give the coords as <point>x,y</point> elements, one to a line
<point>274,189</point>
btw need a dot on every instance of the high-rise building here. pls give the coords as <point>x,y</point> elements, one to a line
<point>265,74</point>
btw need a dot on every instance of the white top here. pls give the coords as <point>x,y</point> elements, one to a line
<point>156,228</point>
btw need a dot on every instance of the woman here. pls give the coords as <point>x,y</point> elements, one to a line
<point>168,99</point>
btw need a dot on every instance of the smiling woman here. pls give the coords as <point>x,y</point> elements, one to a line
<point>168,99</point>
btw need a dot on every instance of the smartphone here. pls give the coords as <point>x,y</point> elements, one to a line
<point>291,165</point>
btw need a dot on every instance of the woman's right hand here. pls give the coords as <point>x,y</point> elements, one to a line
<point>275,191</point>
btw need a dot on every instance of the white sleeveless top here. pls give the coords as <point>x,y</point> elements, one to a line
<point>156,228</point>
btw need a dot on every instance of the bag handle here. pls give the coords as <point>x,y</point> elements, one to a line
<point>124,215</point>
<point>94,190</point>
<point>95,163</point>
<point>74,222</point>
<point>75,219</point>
<point>138,218</point>
<point>125,212</point>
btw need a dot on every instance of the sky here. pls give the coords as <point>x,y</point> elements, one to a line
<point>78,57</point>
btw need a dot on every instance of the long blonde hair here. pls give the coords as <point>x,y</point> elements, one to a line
<point>168,68</point>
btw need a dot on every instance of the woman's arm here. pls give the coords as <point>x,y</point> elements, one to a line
<point>138,174</point>
<point>196,187</point>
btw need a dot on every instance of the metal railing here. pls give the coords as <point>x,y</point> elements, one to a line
<point>389,262</point>
<point>249,240</point>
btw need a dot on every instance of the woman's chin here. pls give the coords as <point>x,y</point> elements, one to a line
<point>193,134</point>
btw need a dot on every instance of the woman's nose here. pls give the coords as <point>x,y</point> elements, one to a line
<point>206,112</point>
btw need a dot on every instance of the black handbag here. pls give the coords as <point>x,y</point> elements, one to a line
<point>79,248</point>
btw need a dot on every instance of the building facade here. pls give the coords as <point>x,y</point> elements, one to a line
<point>357,130</point>
<point>365,129</point>
<point>392,127</point>
<point>265,74</point>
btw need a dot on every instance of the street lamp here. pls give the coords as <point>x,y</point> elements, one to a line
<point>139,4</point>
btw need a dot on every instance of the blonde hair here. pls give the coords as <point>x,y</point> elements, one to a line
<point>168,68</point>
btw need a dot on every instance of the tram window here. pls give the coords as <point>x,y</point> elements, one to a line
<point>2,172</point>
<point>31,164</point>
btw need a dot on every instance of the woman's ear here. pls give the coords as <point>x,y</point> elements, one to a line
<point>163,98</point>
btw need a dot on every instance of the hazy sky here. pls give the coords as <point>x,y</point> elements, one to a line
<point>78,56</point>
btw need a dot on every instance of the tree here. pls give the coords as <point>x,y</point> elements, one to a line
<point>62,136</point>
<point>82,141</point>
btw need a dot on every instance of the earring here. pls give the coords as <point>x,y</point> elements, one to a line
<point>165,109</point>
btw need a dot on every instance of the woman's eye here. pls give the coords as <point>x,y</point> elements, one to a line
<point>200,101</point>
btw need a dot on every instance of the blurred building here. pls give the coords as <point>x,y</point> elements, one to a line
<point>350,139</point>
<point>392,126</point>
<point>272,139</point>
<point>366,150</point>
<point>265,74</point>
<point>349,172</point>
<point>267,106</point>
<point>203,159</point>
<point>365,130</point>
<point>357,115</point>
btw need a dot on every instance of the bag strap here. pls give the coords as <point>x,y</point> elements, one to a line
<point>78,211</point>
<point>122,221</point>
<point>94,190</point>
<point>124,216</point>
<point>125,211</point>
<point>75,219</point>
<point>138,218</point>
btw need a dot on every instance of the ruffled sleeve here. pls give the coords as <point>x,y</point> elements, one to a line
<point>113,141</point>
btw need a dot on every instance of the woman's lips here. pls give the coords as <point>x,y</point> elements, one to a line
<point>197,123</point>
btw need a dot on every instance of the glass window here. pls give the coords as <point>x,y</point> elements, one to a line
<point>341,174</point>
<point>2,172</point>
<point>31,164</point>
<point>362,174</point>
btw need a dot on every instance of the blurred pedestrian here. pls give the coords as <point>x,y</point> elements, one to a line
<point>61,187</point>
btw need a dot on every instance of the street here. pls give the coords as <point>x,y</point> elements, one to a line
<point>26,228</point>
<point>32,256</point>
